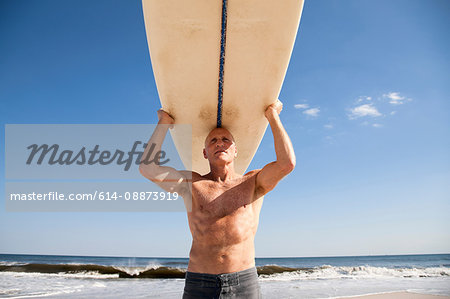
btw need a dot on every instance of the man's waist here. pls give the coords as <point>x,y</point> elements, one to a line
<point>213,266</point>
<point>223,279</point>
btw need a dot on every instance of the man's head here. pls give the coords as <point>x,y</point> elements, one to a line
<point>220,146</point>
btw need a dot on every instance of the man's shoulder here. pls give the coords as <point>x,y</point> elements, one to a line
<point>190,176</point>
<point>252,173</point>
<point>198,177</point>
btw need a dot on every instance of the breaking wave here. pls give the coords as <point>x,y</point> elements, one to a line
<point>270,272</point>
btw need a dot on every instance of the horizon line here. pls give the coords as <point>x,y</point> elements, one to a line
<point>261,257</point>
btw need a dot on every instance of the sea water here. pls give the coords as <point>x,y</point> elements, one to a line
<point>51,276</point>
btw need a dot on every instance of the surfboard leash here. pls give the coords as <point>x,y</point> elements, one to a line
<point>223,39</point>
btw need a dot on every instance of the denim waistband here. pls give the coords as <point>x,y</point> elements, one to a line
<point>226,279</point>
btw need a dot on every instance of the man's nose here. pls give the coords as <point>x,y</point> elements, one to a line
<point>219,143</point>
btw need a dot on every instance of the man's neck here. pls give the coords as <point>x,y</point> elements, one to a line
<point>222,173</point>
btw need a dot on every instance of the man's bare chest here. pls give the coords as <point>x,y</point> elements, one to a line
<point>223,199</point>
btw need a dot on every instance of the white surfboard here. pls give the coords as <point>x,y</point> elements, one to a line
<point>184,38</point>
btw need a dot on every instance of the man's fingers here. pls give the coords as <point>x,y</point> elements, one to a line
<point>165,117</point>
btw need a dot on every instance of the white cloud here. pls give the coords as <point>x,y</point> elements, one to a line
<point>364,110</point>
<point>362,99</point>
<point>312,112</point>
<point>393,112</point>
<point>395,98</point>
<point>377,125</point>
<point>328,126</point>
<point>301,106</point>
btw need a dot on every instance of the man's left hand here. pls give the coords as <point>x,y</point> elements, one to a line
<point>274,108</point>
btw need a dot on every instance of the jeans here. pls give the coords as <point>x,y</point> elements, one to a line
<point>242,284</point>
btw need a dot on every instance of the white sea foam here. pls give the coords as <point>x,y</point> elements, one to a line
<point>20,285</point>
<point>332,272</point>
<point>136,270</point>
<point>2,263</point>
<point>83,274</point>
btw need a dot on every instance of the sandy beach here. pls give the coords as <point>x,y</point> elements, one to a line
<point>399,295</point>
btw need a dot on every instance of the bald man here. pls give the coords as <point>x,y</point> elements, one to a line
<point>225,208</point>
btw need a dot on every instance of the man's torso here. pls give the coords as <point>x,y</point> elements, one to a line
<point>223,223</point>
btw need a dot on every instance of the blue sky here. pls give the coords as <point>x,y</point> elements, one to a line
<point>365,103</point>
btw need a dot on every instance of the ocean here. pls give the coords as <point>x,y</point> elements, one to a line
<point>55,276</point>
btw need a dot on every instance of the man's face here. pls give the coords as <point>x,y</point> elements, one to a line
<point>220,145</point>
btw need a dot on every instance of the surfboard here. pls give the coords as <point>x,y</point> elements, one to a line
<point>187,39</point>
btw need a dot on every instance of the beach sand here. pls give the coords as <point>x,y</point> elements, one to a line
<point>398,295</point>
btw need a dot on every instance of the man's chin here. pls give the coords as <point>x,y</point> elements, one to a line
<point>222,158</point>
<point>220,154</point>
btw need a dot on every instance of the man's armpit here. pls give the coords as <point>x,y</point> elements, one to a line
<point>259,190</point>
<point>259,184</point>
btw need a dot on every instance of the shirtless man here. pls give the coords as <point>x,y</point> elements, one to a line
<point>225,209</point>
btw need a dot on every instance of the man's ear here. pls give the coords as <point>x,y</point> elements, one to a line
<point>204,154</point>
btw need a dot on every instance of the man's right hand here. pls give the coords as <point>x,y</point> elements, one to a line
<point>164,118</point>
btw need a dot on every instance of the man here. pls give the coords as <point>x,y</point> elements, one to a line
<point>225,209</point>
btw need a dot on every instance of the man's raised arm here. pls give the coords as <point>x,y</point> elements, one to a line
<point>166,177</point>
<point>272,173</point>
